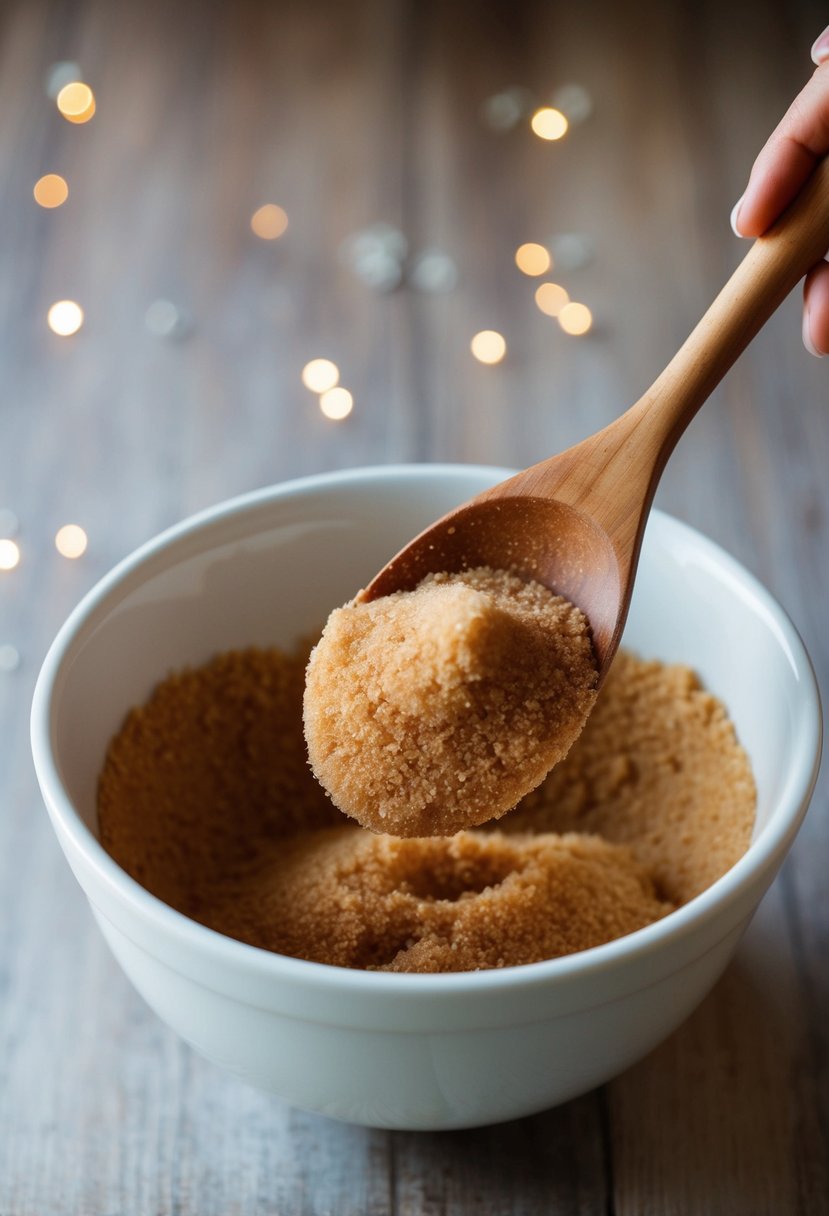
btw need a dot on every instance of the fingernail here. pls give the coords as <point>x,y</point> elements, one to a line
<point>807,337</point>
<point>735,215</point>
<point>820,50</point>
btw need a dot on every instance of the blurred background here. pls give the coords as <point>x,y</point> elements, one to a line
<point>384,153</point>
<point>199,201</point>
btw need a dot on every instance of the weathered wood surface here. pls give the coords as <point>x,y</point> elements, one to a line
<point>349,113</point>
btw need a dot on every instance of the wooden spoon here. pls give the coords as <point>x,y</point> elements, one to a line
<point>575,522</point>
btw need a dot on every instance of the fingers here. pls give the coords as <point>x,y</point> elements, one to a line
<point>790,155</point>
<point>820,50</point>
<point>816,310</point>
<point>800,140</point>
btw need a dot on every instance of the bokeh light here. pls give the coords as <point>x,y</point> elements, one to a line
<point>76,102</point>
<point>65,318</point>
<point>9,554</point>
<point>575,318</point>
<point>504,110</point>
<point>434,272</point>
<point>51,190</point>
<point>71,540</point>
<point>269,222</point>
<point>164,319</point>
<point>60,74</point>
<point>532,259</point>
<point>9,523</point>
<point>9,657</point>
<point>571,250</point>
<point>551,298</point>
<point>549,123</point>
<point>574,101</point>
<point>320,375</point>
<point>488,346</point>
<point>336,403</point>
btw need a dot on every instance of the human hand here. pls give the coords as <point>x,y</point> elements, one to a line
<point>800,140</point>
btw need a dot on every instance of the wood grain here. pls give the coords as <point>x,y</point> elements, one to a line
<point>348,114</point>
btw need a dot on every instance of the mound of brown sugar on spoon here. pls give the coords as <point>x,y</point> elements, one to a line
<point>433,710</point>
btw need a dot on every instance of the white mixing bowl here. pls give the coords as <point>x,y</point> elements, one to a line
<point>407,1051</point>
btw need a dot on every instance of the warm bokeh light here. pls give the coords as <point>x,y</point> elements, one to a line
<point>549,123</point>
<point>336,403</point>
<point>71,540</point>
<point>9,554</point>
<point>76,102</point>
<point>575,318</point>
<point>51,190</point>
<point>551,298</point>
<point>532,259</point>
<point>488,346</point>
<point>320,375</point>
<point>65,318</point>
<point>269,222</point>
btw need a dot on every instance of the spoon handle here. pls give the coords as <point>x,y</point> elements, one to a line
<point>772,267</point>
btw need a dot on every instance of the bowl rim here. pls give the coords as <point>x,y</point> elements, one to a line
<point>763,855</point>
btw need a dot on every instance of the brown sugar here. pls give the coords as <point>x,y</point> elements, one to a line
<point>436,709</point>
<point>658,768</point>
<point>476,900</point>
<point>210,768</point>
<point>206,799</point>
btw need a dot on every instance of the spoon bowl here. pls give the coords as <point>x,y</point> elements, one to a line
<point>544,539</point>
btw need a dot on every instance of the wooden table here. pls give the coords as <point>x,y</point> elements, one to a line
<point>348,114</point>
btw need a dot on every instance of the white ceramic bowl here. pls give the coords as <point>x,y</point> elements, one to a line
<point>407,1051</point>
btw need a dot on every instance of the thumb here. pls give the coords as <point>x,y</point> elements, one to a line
<point>800,140</point>
<point>820,49</point>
